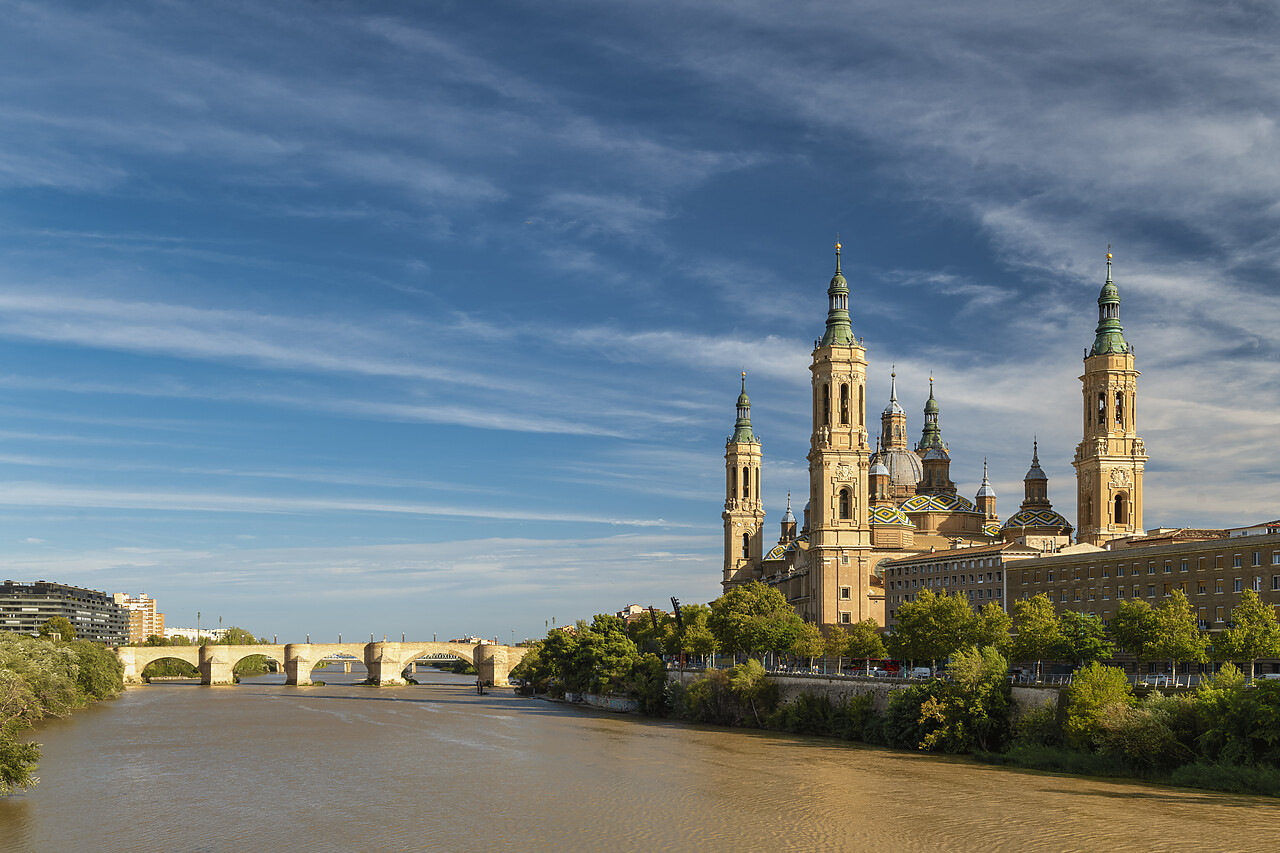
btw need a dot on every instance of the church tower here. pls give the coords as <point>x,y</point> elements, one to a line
<point>743,510</point>
<point>933,453</point>
<point>839,523</point>
<point>1110,459</point>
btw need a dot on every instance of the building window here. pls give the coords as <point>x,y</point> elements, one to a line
<point>844,405</point>
<point>1275,558</point>
<point>1050,580</point>
<point>1238,586</point>
<point>1137,591</point>
<point>1183,567</point>
<point>1151,568</point>
<point>1257,584</point>
<point>746,482</point>
<point>845,619</point>
<point>1106,572</point>
<point>1275,582</point>
<point>1151,590</point>
<point>1122,509</point>
<point>1235,562</point>
<point>1168,590</point>
<point>998,595</point>
<point>845,593</point>
<point>1064,595</point>
<point>746,546</point>
<point>997,576</point>
<point>1168,567</point>
<point>1119,592</point>
<point>845,511</point>
<point>1218,615</point>
<point>1257,558</point>
<point>1217,587</point>
<point>1119,571</point>
<point>1200,588</point>
<point>826,405</point>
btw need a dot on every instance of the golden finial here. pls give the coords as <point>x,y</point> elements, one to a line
<point>1108,251</point>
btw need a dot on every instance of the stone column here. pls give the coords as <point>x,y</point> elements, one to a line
<point>385,663</point>
<point>215,665</point>
<point>298,660</point>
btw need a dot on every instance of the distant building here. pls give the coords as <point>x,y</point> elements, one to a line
<point>144,621</point>
<point>634,612</point>
<point>24,607</point>
<point>210,635</point>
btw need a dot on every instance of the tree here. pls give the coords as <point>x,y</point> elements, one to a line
<point>808,642</point>
<point>1254,633</point>
<point>695,638</point>
<point>1178,635</point>
<point>755,619</point>
<point>991,628</point>
<point>1039,633</point>
<point>1094,689</point>
<point>1084,639</point>
<point>865,642</point>
<point>973,710</point>
<point>932,627</point>
<point>236,636</point>
<point>1135,627</point>
<point>59,627</point>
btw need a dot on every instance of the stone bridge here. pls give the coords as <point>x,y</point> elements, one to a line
<point>386,662</point>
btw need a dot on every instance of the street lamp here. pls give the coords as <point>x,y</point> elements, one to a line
<point>197,627</point>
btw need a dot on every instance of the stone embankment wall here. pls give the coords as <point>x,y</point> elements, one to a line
<point>839,689</point>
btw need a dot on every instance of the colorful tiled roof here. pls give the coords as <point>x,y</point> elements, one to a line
<point>1036,518</point>
<point>938,503</point>
<point>992,529</point>
<point>889,515</point>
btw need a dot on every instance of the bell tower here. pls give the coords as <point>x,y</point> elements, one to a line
<point>1111,457</point>
<point>743,510</point>
<point>839,522</point>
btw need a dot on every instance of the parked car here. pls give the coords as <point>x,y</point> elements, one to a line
<point>920,672</point>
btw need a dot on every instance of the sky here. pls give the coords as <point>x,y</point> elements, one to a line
<point>428,318</point>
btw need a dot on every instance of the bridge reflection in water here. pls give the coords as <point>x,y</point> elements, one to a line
<point>386,662</point>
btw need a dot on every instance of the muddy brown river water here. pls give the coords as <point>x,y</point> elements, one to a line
<point>264,767</point>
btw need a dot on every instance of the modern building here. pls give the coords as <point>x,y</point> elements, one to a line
<point>144,621</point>
<point>203,635</point>
<point>25,607</point>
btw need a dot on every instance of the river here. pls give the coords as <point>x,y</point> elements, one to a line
<point>435,767</point>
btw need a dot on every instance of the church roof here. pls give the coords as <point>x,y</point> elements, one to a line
<point>1036,518</point>
<point>889,515</point>
<point>992,529</point>
<point>905,468</point>
<point>938,503</point>
<point>893,408</point>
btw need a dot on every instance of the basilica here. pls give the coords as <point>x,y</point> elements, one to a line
<point>868,507</point>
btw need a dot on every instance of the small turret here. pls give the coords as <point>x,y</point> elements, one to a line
<point>986,497</point>
<point>788,525</point>
<point>839,330</point>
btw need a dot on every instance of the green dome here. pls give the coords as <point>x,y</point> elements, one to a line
<point>1109,337</point>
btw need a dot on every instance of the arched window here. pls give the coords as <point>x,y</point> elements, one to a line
<point>1120,408</point>
<point>746,482</point>
<point>757,484</point>
<point>733,482</point>
<point>1102,407</point>
<point>845,508</point>
<point>1122,509</point>
<point>826,405</point>
<point>844,405</point>
<point>862,406</point>
<point>746,546</point>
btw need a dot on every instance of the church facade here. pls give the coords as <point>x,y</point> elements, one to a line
<point>869,507</point>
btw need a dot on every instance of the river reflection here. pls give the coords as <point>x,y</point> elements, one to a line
<point>261,766</point>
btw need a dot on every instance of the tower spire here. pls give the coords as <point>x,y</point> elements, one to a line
<point>839,331</point>
<point>742,427</point>
<point>1109,336</point>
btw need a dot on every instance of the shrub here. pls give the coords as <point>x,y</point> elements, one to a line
<point>1095,692</point>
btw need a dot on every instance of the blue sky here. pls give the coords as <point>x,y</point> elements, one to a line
<point>428,317</point>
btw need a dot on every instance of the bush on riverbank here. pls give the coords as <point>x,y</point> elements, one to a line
<point>46,677</point>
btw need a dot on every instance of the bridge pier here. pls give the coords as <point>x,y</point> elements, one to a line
<point>492,665</point>
<point>298,661</point>
<point>385,663</point>
<point>216,666</point>
<point>130,661</point>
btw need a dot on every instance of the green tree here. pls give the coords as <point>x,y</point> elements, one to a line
<point>1135,627</point>
<point>1254,632</point>
<point>1084,639</point>
<point>1093,692</point>
<point>972,712</point>
<point>755,619</point>
<point>865,642</point>
<point>808,642</point>
<point>695,637</point>
<point>1178,635</point>
<point>236,636</point>
<point>59,627</point>
<point>932,628</point>
<point>991,628</point>
<point>1039,633</point>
